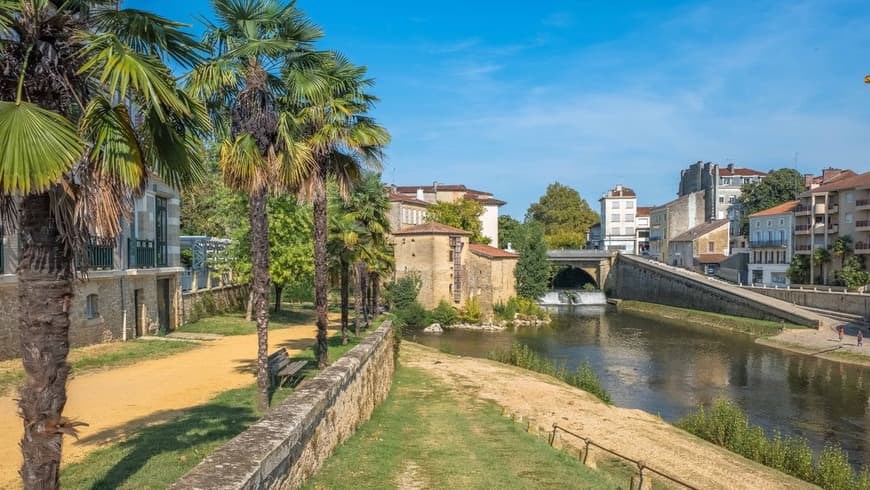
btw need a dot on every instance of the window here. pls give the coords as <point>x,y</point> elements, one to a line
<point>92,309</point>
<point>614,217</point>
<point>614,205</point>
<point>848,217</point>
<point>160,231</point>
<point>732,199</point>
<point>849,198</point>
<point>782,236</point>
<point>769,223</point>
<point>710,247</point>
<point>629,230</point>
<point>769,236</point>
<point>629,205</point>
<point>758,224</point>
<point>629,218</point>
<point>721,200</point>
<point>781,221</point>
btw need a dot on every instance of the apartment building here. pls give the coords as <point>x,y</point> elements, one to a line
<point>438,192</point>
<point>771,244</point>
<point>132,288</point>
<point>673,219</point>
<point>619,220</point>
<point>838,208</point>
<point>642,230</point>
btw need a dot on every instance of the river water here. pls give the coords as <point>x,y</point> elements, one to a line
<point>667,368</point>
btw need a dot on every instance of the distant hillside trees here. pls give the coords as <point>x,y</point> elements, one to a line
<point>565,216</point>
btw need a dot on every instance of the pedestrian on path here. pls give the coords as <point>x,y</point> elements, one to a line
<point>860,338</point>
<point>841,332</point>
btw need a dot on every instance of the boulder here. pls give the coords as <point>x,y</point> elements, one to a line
<point>434,328</point>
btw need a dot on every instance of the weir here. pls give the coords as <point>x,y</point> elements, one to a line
<point>573,298</point>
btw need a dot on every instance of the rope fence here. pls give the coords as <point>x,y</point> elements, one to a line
<point>641,466</point>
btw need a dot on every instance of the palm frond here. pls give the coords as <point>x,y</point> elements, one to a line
<point>150,34</point>
<point>115,146</point>
<point>242,165</point>
<point>37,147</point>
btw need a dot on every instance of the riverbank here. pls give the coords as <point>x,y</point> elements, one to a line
<point>542,401</point>
<point>822,343</point>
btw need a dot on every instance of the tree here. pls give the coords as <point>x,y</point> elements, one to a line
<point>291,264</point>
<point>463,214</point>
<point>332,109</point>
<point>508,232</point>
<point>799,270</point>
<point>842,247</point>
<point>209,207</point>
<point>565,216</point>
<point>853,273</point>
<point>779,187</point>
<point>258,152</point>
<point>87,109</point>
<point>822,256</point>
<point>533,270</point>
<point>346,237</point>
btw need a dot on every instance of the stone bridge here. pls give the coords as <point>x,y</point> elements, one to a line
<point>580,267</point>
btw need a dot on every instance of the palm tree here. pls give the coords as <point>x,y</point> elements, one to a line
<point>344,243</point>
<point>342,139</point>
<point>822,256</point>
<point>88,109</point>
<point>250,42</point>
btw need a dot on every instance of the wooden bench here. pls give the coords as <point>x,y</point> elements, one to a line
<point>281,369</point>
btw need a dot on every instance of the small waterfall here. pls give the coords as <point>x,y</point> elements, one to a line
<point>568,298</point>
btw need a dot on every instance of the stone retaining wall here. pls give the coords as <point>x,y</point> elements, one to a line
<point>209,302</point>
<point>290,444</point>
<point>852,303</point>
<point>639,279</point>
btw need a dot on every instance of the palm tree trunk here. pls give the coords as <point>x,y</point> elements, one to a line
<point>249,307</point>
<point>260,289</point>
<point>321,272</point>
<point>45,296</point>
<point>345,286</point>
<point>376,292</point>
<point>364,293</point>
<point>278,293</point>
<point>359,285</point>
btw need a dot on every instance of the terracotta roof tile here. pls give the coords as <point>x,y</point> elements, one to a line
<point>782,208</point>
<point>396,197</point>
<point>643,210</point>
<point>726,172</point>
<point>432,229</point>
<point>490,252</point>
<point>712,258</point>
<point>860,180</point>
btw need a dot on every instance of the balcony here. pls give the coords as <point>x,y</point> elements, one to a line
<point>802,210</point>
<point>803,249</point>
<point>802,229</point>
<point>862,248</point>
<point>862,225</point>
<point>862,204</point>
<point>142,254</point>
<point>832,228</point>
<point>101,257</point>
<point>767,244</point>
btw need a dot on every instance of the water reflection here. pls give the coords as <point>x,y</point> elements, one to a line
<point>667,368</point>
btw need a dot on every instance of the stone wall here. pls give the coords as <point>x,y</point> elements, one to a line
<point>290,444</point>
<point>852,303</point>
<point>208,302</point>
<point>639,279</point>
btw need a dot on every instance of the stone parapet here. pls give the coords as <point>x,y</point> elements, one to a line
<point>843,302</point>
<point>287,446</point>
<point>196,305</point>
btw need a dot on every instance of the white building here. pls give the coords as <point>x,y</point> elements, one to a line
<point>771,244</point>
<point>642,229</point>
<point>619,220</point>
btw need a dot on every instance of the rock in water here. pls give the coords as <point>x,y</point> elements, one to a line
<point>434,328</point>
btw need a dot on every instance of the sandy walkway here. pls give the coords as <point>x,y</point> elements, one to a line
<point>635,433</point>
<point>117,401</point>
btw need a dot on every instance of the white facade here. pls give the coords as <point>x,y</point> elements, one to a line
<point>619,220</point>
<point>770,248</point>
<point>489,221</point>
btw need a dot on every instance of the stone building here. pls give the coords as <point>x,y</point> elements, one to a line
<point>451,269</point>
<point>132,288</point>
<point>618,220</point>
<point>770,244</point>
<point>406,211</point>
<point>836,209</point>
<point>673,219</point>
<point>700,246</point>
<point>438,192</point>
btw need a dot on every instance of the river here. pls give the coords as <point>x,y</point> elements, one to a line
<point>667,368</point>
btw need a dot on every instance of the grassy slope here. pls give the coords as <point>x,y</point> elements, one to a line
<point>158,455</point>
<point>235,324</point>
<point>428,435</point>
<point>102,356</point>
<point>751,326</point>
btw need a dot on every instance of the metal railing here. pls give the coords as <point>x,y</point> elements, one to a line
<point>862,223</point>
<point>641,466</point>
<point>101,257</point>
<point>767,243</point>
<point>142,254</point>
<point>862,202</point>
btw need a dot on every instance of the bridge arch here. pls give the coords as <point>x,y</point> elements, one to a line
<point>571,277</point>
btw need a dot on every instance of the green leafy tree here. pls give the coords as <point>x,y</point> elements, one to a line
<point>347,238</point>
<point>532,270</point>
<point>259,153</point>
<point>88,108</point>
<point>291,249</point>
<point>463,214</point>
<point>209,207</point>
<point>822,256</point>
<point>798,271</point>
<point>565,216</point>
<point>779,187</point>
<point>841,248</point>
<point>853,273</point>
<point>508,231</point>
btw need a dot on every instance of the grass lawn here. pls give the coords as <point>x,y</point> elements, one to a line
<point>750,326</point>
<point>100,356</point>
<point>427,436</point>
<point>235,324</point>
<point>157,455</point>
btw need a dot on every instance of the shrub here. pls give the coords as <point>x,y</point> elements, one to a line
<point>523,357</point>
<point>403,292</point>
<point>522,308</point>
<point>834,472</point>
<point>413,314</point>
<point>589,287</point>
<point>444,313</point>
<point>471,313</point>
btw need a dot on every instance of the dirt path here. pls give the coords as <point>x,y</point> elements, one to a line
<point>635,433</point>
<point>147,392</point>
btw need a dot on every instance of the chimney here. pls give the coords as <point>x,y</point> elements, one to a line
<point>808,181</point>
<point>618,187</point>
<point>731,167</point>
<point>420,194</point>
<point>435,186</point>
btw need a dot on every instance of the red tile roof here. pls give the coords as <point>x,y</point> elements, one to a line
<point>624,192</point>
<point>860,180</point>
<point>432,229</point>
<point>396,197</point>
<point>491,252</point>
<point>643,210</point>
<point>782,208</point>
<point>712,258</point>
<point>726,172</point>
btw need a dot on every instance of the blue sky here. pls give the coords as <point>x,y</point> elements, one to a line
<point>510,96</point>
